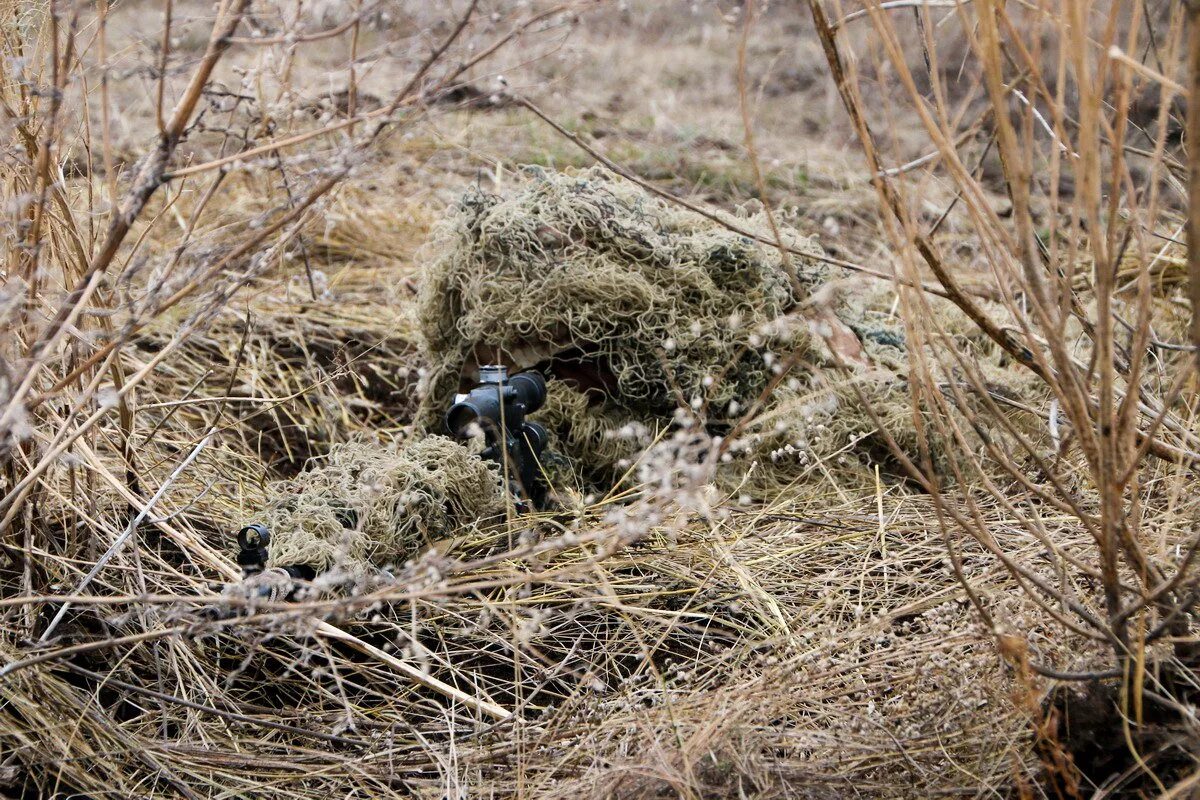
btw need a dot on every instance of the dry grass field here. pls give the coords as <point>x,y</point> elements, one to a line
<point>872,404</point>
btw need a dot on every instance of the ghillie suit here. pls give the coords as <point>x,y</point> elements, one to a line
<point>637,309</point>
<point>368,503</point>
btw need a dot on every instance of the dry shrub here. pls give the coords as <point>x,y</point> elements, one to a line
<point>1078,259</point>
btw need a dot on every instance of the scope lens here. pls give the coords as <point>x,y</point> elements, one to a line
<point>459,418</point>
<point>253,536</point>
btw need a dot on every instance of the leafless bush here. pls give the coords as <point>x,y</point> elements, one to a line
<point>148,180</point>
<point>1088,256</point>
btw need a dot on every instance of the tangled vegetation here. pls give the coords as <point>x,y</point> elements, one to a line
<point>870,365</point>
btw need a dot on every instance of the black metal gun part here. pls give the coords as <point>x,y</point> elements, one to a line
<point>499,405</point>
<point>253,541</point>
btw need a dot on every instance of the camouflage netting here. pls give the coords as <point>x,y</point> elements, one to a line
<point>592,270</point>
<point>639,308</point>
<point>368,503</point>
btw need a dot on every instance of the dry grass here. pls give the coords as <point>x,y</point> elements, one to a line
<point>181,328</point>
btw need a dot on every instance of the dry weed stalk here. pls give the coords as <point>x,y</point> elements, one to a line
<point>118,283</point>
<point>1089,153</point>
